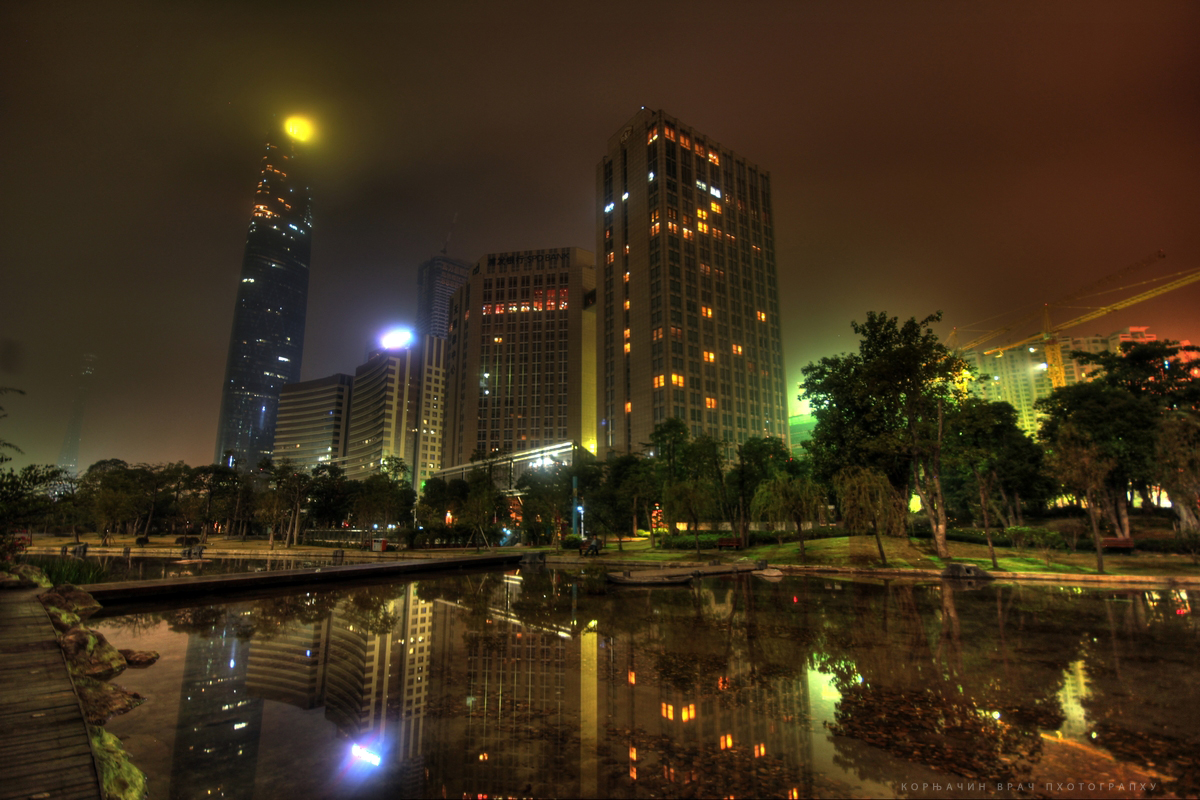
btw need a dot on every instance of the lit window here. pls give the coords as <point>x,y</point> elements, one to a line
<point>610,257</point>
<point>715,192</point>
<point>715,206</point>
<point>629,409</point>
<point>710,356</point>
<point>652,134</point>
<point>737,349</point>
<point>627,253</point>
<point>632,677</point>
<point>632,753</point>
<point>706,311</point>
<point>760,750</point>
<point>659,380</point>
<point>669,132</point>
<point>701,213</point>
<point>668,711</point>
<point>727,741</point>
<point>710,402</point>
<point>627,347</point>
<point>673,227</point>
<point>657,334</point>
<point>714,158</point>
<point>676,379</point>
<point>626,303</point>
<point>762,316</point>
<point>654,215</point>
<point>627,334</point>
<point>654,228</point>
<point>684,141</point>
<point>687,233</point>
<point>702,227</point>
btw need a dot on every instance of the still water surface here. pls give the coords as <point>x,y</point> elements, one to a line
<point>547,684</point>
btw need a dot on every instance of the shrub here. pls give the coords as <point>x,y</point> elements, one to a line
<point>142,541</point>
<point>572,542</point>
<point>69,570</point>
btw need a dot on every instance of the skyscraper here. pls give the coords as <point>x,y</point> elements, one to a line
<point>437,281</point>
<point>267,341</point>
<point>689,304</point>
<point>385,405</point>
<point>521,363</point>
<point>311,427</point>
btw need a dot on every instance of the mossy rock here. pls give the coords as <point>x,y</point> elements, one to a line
<point>103,700</point>
<point>71,598</point>
<point>139,658</point>
<point>62,620</point>
<point>89,654</point>
<point>119,778</point>
<point>24,576</point>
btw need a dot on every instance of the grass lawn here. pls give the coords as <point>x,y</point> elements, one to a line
<point>856,551</point>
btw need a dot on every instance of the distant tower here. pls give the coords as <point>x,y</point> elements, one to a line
<point>68,457</point>
<point>437,281</point>
<point>267,341</point>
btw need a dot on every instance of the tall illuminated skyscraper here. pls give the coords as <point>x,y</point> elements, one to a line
<point>686,281</point>
<point>437,281</point>
<point>267,341</point>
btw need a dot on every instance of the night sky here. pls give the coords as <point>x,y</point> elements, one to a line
<point>974,158</point>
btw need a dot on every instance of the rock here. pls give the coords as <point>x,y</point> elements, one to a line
<point>103,700</point>
<point>119,778</point>
<point>139,658</point>
<point>26,576</point>
<point>89,654</point>
<point>73,599</point>
<point>62,620</point>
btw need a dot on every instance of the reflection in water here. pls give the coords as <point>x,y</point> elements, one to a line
<point>540,684</point>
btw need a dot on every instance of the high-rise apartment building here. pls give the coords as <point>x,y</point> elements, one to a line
<point>311,427</point>
<point>521,361</point>
<point>426,456</point>
<point>1020,376</point>
<point>437,281</point>
<point>267,341</point>
<point>689,320</point>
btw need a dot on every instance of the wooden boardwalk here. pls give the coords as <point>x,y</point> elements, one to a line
<point>44,746</point>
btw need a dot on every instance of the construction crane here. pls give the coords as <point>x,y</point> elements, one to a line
<point>1048,337</point>
<point>952,340</point>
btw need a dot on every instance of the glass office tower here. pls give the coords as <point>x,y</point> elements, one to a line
<point>267,341</point>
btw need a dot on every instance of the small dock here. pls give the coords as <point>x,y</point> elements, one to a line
<point>44,743</point>
<point>250,582</point>
<point>699,571</point>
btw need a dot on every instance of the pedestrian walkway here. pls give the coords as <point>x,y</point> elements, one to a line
<point>44,745</point>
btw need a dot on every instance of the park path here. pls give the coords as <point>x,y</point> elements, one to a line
<point>45,751</point>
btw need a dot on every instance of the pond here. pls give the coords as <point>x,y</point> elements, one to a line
<point>547,684</point>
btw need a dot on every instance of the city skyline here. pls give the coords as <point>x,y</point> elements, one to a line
<point>971,159</point>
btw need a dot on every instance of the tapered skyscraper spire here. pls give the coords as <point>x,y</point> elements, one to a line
<point>267,341</point>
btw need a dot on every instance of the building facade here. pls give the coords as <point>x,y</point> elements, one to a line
<point>384,411</point>
<point>521,359</point>
<point>437,281</point>
<point>267,340</point>
<point>427,449</point>
<point>1020,376</point>
<point>311,427</point>
<point>688,320</point>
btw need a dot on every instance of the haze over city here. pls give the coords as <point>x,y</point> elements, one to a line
<point>970,158</point>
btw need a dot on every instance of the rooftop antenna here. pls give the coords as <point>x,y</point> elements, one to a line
<point>454,221</point>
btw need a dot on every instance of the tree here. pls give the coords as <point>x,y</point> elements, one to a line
<point>331,495</point>
<point>796,498</point>
<point>24,497</point>
<point>666,445</point>
<point>1082,467</point>
<point>1120,425</point>
<point>984,439</point>
<point>4,444</point>
<point>885,407</point>
<point>758,460</point>
<point>1177,459</point>
<point>869,502</point>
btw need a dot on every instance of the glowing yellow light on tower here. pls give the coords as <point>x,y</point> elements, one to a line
<point>298,128</point>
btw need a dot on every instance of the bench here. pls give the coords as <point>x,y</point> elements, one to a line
<point>1117,543</point>
<point>729,541</point>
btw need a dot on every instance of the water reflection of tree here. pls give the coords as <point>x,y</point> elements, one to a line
<point>943,688</point>
<point>1142,703</point>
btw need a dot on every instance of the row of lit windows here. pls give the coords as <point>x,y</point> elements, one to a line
<point>684,142</point>
<point>524,306</point>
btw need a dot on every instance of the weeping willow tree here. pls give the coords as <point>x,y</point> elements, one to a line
<point>796,499</point>
<point>868,502</point>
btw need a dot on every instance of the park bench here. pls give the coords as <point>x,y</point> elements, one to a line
<point>729,541</point>
<point>1117,543</point>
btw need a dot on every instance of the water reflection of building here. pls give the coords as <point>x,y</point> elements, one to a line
<point>216,744</point>
<point>289,667</point>
<point>1071,696</point>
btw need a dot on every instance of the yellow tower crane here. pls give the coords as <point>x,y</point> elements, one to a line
<point>1049,335</point>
